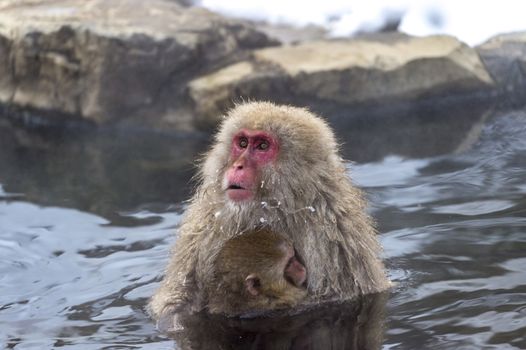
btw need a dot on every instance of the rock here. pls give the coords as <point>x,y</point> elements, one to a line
<point>380,69</point>
<point>160,64</point>
<point>505,57</point>
<point>289,34</point>
<point>111,60</point>
<point>209,91</point>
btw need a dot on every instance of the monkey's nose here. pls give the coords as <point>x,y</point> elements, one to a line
<point>239,164</point>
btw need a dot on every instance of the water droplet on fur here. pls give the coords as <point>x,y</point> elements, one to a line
<point>312,210</point>
<point>262,220</point>
<point>217,213</point>
<point>264,204</point>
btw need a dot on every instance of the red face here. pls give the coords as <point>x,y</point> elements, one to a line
<point>251,151</point>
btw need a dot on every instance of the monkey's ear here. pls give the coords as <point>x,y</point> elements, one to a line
<point>253,284</point>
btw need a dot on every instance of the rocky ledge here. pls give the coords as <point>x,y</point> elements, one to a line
<point>168,66</point>
<point>112,60</point>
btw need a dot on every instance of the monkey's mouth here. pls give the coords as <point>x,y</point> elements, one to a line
<point>235,187</point>
<point>237,193</point>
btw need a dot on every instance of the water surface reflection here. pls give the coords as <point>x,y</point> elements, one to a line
<point>357,325</point>
<point>86,225</point>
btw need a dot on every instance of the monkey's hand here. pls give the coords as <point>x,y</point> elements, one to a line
<point>168,320</point>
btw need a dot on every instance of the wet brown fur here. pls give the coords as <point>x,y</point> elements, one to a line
<point>305,194</point>
<point>262,254</point>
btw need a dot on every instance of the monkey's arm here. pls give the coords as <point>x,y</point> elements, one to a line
<point>178,289</point>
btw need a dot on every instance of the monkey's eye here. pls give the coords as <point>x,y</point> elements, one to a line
<point>263,146</point>
<point>243,142</point>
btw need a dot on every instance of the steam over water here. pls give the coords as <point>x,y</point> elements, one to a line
<point>86,223</point>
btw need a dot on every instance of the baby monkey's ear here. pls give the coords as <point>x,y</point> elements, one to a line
<point>253,284</point>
